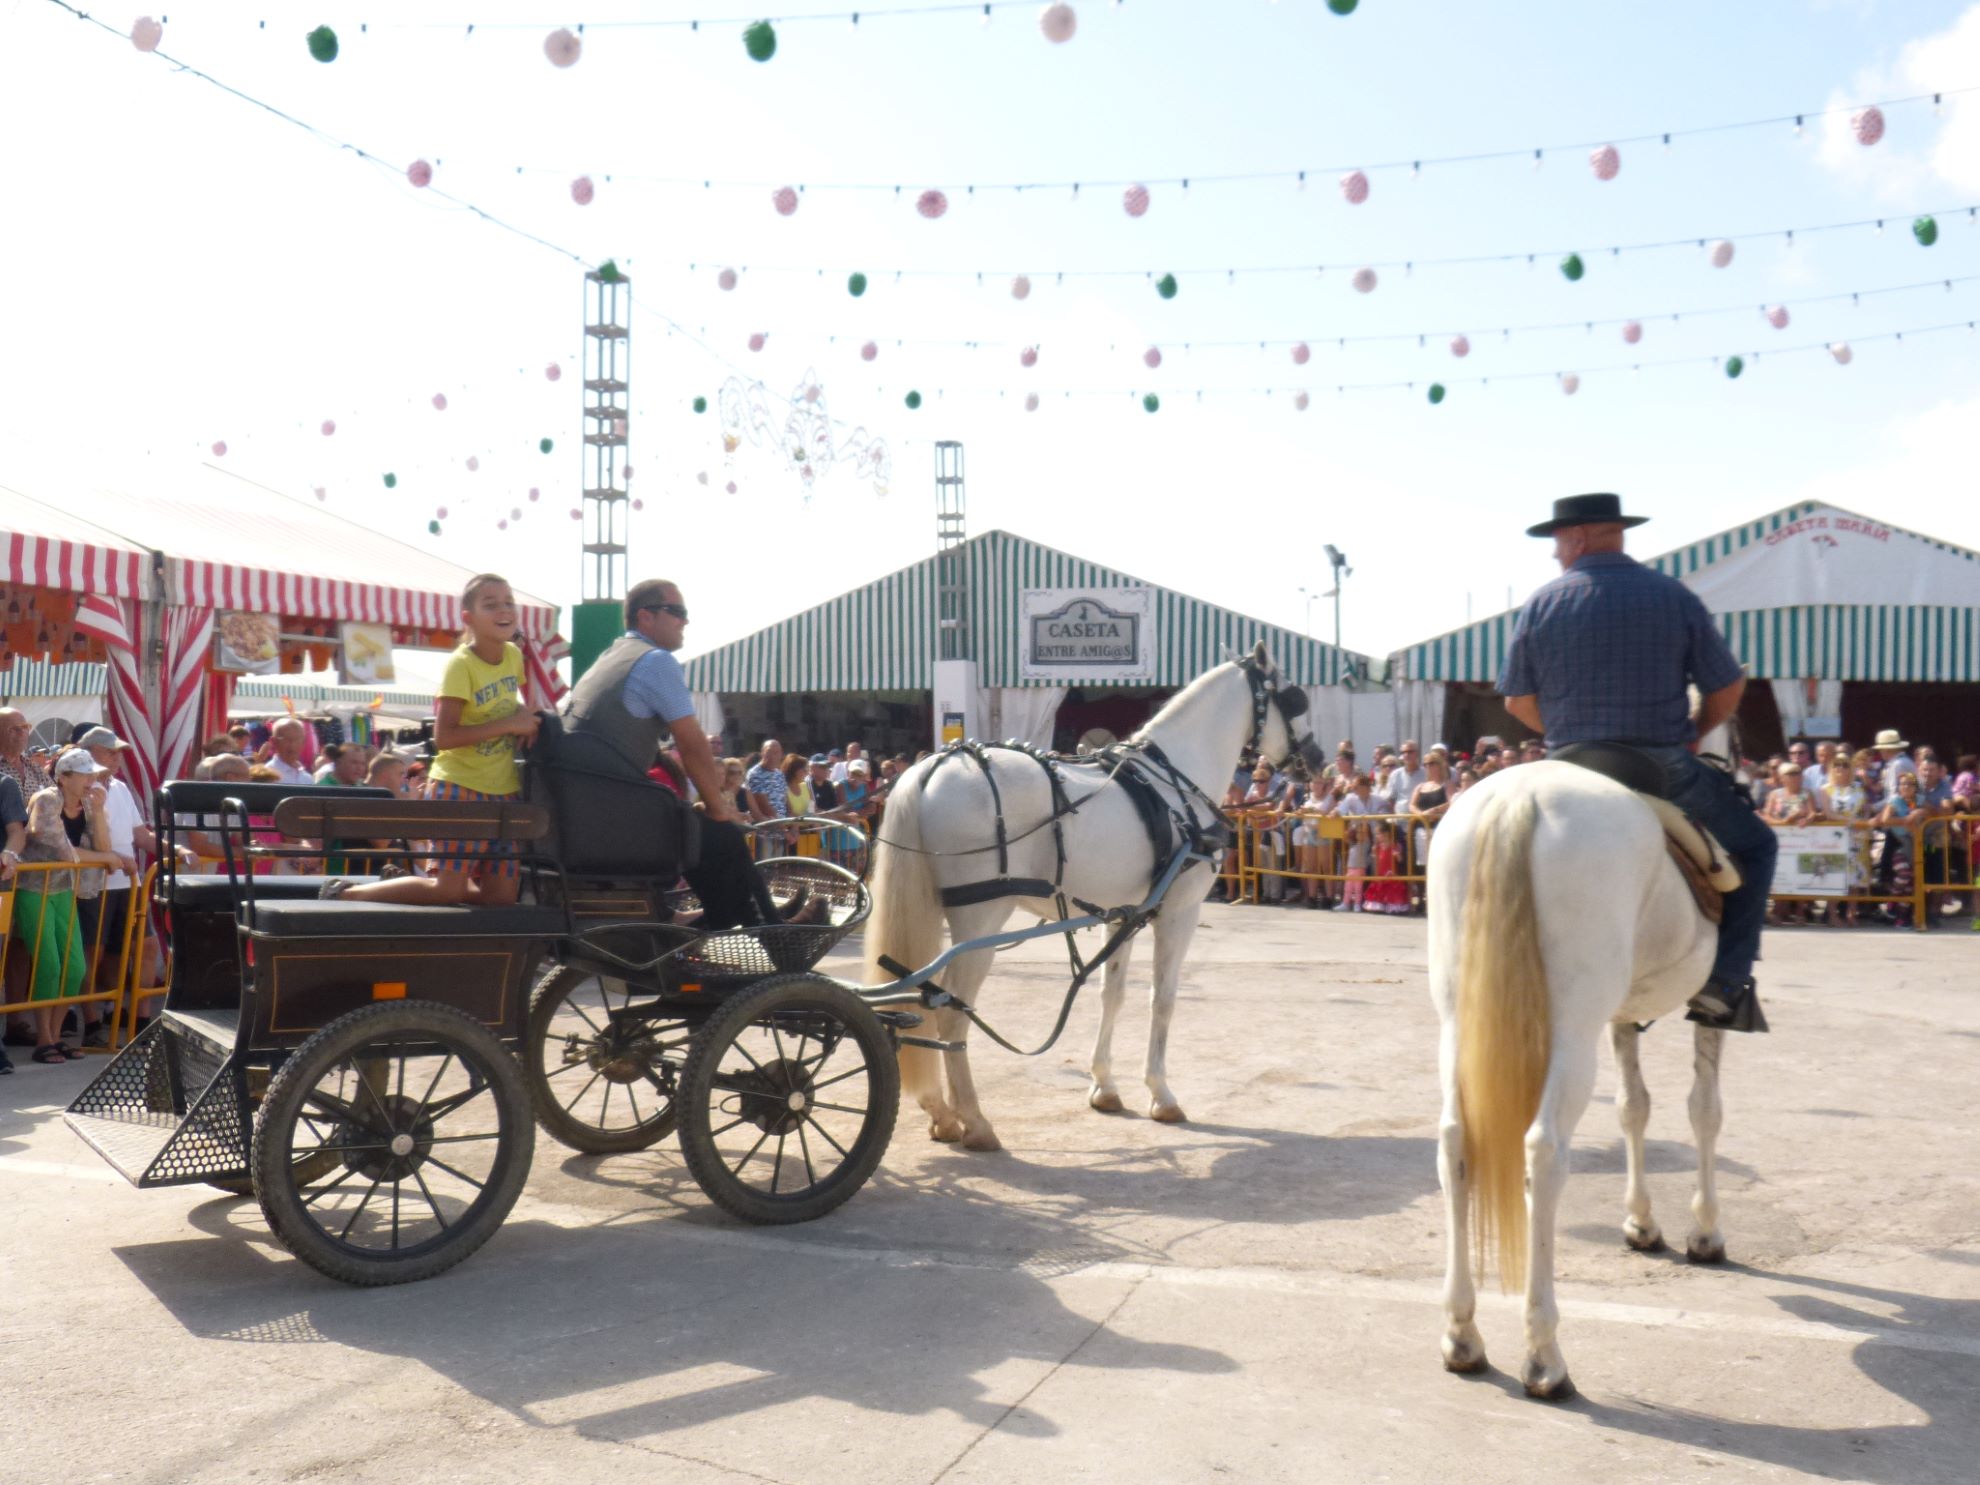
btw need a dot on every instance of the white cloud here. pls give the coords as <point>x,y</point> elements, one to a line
<point>1921,153</point>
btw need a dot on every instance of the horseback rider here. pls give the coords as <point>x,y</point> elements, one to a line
<point>1604,654</point>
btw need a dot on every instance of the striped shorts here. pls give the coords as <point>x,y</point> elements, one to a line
<point>478,858</point>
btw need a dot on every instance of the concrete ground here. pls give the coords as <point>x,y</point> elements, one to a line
<point>1249,1296</point>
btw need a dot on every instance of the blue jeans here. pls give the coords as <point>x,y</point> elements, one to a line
<point>1718,803</point>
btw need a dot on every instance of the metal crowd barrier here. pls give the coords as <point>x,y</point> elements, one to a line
<point>13,944</point>
<point>1954,862</point>
<point>1265,849</point>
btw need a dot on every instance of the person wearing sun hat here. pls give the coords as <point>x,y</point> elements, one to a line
<point>1609,652</point>
<point>1893,757</point>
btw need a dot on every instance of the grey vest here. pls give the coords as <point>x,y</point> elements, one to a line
<point>597,705</point>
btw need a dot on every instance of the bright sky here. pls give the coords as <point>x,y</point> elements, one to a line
<point>182,268</point>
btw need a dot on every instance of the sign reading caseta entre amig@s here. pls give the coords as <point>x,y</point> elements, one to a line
<point>1086,634</point>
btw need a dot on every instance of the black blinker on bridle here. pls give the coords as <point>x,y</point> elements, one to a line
<point>1267,692</point>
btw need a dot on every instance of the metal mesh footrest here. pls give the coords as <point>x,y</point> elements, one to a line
<point>168,1110</point>
<point>826,902</point>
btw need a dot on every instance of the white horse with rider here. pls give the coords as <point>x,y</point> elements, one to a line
<point>992,825</point>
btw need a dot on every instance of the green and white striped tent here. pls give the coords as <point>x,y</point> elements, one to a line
<point>36,680</point>
<point>882,637</point>
<point>1810,592</point>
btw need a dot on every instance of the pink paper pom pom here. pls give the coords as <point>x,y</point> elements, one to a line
<point>1354,187</point>
<point>576,514</point>
<point>1570,383</point>
<point>473,463</point>
<point>618,427</point>
<point>1152,357</point>
<point>626,473</point>
<point>730,487</point>
<point>1460,346</point>
<point>785,200</point>
<point>553,372</point>
<point>1364,281</point>
<point>1842,353</point>
<point>1028,356</point>
<point>1134,201</point>
<point>1301,354</point>
<point>639,505</point>
<point>582,190</point>
<point>1868,125</point>
<point>725,280</point>
<point>1632,332</point>
<point>146,34</point>
<point>534,493</point>
<point>220,449</point>
<point>502,525</point>
<point>1058,23</point>
<point>1605,162</point>
<point>1722,253</point>
<point>1031,402</point>
<point>932,204</point>
<point>439,401</point>
<point>756,341</point>
<point>868,351</point>
<point>440,514</point>
<point>420,173</point>
<point>1778,316</point>
<point>329,427</point>
<point>1301,401</point>
<point>1020,287</point>
<point>321,493</point>
<point>561,47</point>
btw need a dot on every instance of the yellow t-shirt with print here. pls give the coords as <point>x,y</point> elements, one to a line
<point>488,693</point>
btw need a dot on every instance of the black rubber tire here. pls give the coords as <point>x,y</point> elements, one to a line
<point>548,1097</point>
<point>789,1002</point>
<point>369,1033</point>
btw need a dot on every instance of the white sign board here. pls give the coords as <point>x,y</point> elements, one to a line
<point>1086,635</point>
<point>1814,861</point>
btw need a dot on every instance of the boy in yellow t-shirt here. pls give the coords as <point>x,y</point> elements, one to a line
<point>478,718</point>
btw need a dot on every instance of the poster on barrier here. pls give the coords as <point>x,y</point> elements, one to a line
<point>1814,861</point>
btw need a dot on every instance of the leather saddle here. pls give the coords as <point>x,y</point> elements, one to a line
<point>1700,859</point>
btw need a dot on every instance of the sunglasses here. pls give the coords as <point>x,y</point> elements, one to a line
<point>678,610</point>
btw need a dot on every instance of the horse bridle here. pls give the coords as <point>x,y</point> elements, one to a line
<point>1268,691</point>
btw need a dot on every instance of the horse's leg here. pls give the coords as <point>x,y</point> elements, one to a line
<point>1104,1096</point>
<point>1464,1347</point>
<point>964,977</point>
<point>1173,929</point>
<point>1633,1110</point>
<point>1570,1079</point>
<point>1706,1244</point>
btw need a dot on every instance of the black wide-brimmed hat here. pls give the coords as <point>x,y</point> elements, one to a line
<point>1586,510</point>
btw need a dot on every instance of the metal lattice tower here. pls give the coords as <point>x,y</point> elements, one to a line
<point>607,398</point>
<point>951,573</point>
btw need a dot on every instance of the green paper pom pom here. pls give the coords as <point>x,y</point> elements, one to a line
<point>1572,268</point>
<point>1734,366</point>
<point>434,527</point>
<point>391,482</point>
<point>856,285</point>
<point>701,404</point>
<point>1166,286</point>
<point>1436,393</point>
<point>608,272</point>
<point>323,44</point>
<point>760,41</point>
<point>1152,403</point>
<point>1926,230</point>
<point>1342,7</point>
<point>913,401</point>
<point>544,445</point>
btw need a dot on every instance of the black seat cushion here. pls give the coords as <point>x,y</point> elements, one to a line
<point>337,919</point>
<point>1628,766</point>
<point>605,820</point>
<point>212,893</point>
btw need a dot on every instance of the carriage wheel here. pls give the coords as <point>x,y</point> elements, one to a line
<point>788,1099</point>
<point>603,1082</point>
<point>429,1119</point>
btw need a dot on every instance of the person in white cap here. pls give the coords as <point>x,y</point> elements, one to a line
<point>1893,758</point>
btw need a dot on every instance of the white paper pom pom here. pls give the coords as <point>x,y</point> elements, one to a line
<point>785,200</point>
<point>1031,402</point>
<point>1868,124</point>
<point>868,351</point>
<point>1842,353</point>
<point>220,449</point>
<point>725,280</point>
<point>701,477</point>
<point>439,401</point>
<point>1722,252</point>
<point>420,173</point>
<point>1300,401</point>
<point>1020,287</point>
<point>1460,346</point>
<point>552,372</point>
<point>1354,187</point>
<point>1632,332</point>
<point>1301,354</point>
<point>1364,281</point>
<point>1778,316</point>
<point>1134,201</point>
<point>756,341</point>
<point>329,427</point>
<point>1028,357</point>
<point>582,190</point>
<point>1605,162</point>
<point>146,34</point>
<point>515,513</point>
<point>931,204</point>
<point>1152,357</point>
<point>1570,383</point>
<point>473,464</point>
<point>1058,22</point>
<point>561,47</point>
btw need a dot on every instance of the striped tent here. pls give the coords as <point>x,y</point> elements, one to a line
<point>882,637</point>
<point>39,680</point>
<point>1809,592</point>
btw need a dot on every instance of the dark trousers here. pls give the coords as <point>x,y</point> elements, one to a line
<point>1717,802</point>
<point>726,880</point>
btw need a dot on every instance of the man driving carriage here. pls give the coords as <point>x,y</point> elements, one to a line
<point>1605,653</point>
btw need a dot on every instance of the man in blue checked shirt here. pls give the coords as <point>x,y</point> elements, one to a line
<point>1607,652</point>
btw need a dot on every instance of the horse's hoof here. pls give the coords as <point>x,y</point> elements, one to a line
<point>1701,1249</point>
<point>1643,1239</point>
<point>1548,1389</point>
<point>945,1131</point>
<point>1166,1113</point>
<point>1463,1355</point>
<point>982,1139</point>
<point>1106,1100</point>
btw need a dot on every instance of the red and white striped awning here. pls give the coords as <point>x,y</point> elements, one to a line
<point>45,544</point>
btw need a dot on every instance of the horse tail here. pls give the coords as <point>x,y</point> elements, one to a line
<point>1503,1028</point>
<point>907,921</point>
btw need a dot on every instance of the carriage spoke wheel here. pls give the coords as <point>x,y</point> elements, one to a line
<point>788,1099</point>
<point>601,1076</point>
<point>311,1168</point>
<point>427,1118</point>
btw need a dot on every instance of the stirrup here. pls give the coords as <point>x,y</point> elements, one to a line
<point>1728,1005</point>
